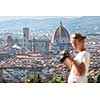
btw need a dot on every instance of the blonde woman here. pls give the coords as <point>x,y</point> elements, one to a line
<point>80,64</point>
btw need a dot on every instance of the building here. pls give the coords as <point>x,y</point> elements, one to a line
<point>9,41</point>
<point>40,45</point>
<point>35,45</point>
<point>7,47</point>
<point>26,37</point>
<point>60,39</point>
<point>95,35</point>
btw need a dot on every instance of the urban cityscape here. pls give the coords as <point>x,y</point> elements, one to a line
<point>32,57</point>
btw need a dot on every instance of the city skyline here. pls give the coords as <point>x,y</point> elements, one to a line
<point>28,55</point>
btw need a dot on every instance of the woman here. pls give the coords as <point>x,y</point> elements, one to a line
<point>80,64</point>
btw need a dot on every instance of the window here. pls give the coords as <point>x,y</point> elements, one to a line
<point>63,40</point>
<point>56,40</point>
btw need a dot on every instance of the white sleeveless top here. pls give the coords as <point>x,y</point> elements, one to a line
<point>84,57</point>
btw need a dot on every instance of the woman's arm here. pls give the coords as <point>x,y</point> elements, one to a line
<point>79,68</point>
<point>69,63</point>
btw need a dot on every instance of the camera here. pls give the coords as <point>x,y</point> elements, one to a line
<point>63,55</point>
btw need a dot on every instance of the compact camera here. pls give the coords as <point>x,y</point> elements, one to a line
<point>63,55</point>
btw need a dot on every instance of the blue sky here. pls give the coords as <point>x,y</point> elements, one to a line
<point>5,18</point>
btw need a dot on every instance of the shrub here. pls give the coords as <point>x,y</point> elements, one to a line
<point>34,79</point>
<point>59,79</point>
<point>98,79</point>
<point>90,79</point>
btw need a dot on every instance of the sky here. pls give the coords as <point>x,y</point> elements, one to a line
<point>6,18</point>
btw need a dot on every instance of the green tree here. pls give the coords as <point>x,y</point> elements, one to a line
<point>59,79</point>
<point>98,79</point>
<point>90,79</point>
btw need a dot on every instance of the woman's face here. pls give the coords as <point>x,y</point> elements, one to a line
<point>75,43</point>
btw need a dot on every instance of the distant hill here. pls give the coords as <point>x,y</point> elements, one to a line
<point>87,24</point>
<point>35,25</point>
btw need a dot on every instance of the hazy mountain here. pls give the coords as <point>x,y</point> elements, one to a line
<point>87,24</point>
<point>45,25</point>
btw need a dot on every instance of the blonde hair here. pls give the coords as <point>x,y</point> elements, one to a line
<point>78,36</point>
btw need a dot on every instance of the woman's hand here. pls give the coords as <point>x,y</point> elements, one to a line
<point>79,67</point>
<point>70,58</point>
<point>69,61</point>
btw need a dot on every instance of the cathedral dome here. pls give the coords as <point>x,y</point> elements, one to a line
<point>60,33</point>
